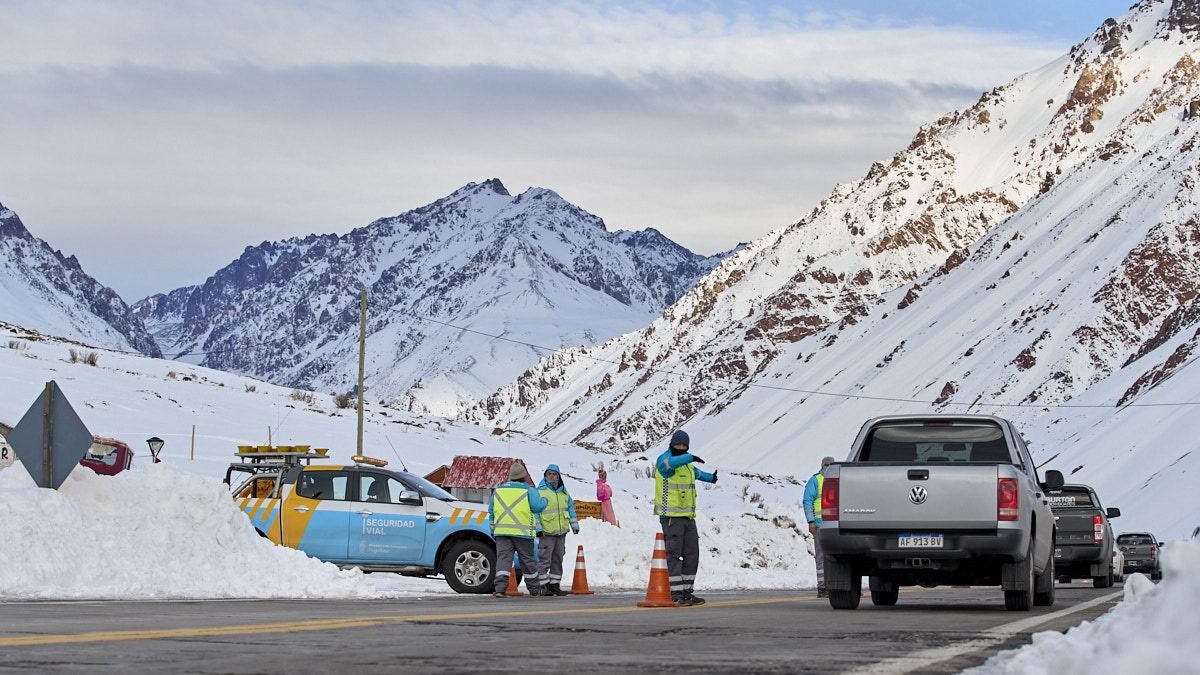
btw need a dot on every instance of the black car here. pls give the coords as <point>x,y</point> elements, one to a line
<point>1141,553</point>
<point>1083,539</point>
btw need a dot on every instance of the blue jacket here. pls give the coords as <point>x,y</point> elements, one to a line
<point>812,500</point>
<point>537,503</point>
<point>562,487</point>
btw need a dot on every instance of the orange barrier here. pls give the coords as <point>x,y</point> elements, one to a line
<point>658,593</point>
<point>579,584</point>
<point>514,589</point>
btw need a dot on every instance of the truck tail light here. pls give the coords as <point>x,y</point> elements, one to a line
<point>1007,500</point>
<point>1153,550</point>
<point>1097,529</point>
<point>829,499</point>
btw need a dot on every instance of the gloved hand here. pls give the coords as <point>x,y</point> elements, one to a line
<point>715,476</point>
<point>575,528</point>
<point>696,459</point>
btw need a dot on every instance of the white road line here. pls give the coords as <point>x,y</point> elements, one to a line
<point>993,636</point>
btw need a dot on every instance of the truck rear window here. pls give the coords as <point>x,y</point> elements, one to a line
<point>916,443</point>
<point>1135,540</point>
<point>1070,498</point>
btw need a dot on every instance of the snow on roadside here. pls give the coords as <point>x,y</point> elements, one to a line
<point>153,533</point>
<point>1153,629</point>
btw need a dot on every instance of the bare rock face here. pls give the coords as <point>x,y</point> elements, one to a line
<point>49,292</point>
<point>1024,250</point>
<point>532,267</point>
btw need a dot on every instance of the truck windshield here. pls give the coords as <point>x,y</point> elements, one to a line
<point>1071,498</point>
<point>916,443</point>
<point>426,488</point>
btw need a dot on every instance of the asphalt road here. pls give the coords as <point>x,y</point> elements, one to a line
<point>930,631</point>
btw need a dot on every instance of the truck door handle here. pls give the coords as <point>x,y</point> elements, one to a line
<point>365,512</point>
<point>432,517</point>
<point>918,474</point>
<point>300,508</point>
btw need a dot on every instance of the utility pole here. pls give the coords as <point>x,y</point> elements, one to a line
<point>362,365</point>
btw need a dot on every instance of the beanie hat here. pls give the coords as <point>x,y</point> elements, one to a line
<point>680,438</point>
<point>516,471</point>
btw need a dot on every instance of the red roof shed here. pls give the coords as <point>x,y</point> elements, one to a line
<point>472,471</point>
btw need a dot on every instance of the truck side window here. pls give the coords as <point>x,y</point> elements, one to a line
<point>379,488</point>
<point>323,485</point>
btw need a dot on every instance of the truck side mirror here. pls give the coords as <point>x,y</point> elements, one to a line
<point>1054,480</point>
<point>410,497</point>
<point>1113,512</point>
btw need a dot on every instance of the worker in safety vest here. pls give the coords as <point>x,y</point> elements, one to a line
<point>812,512</point>
<point>513,514</point>
<point>675,504</point>
<point>556,520</point>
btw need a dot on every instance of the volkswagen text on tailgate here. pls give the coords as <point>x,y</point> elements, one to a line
<point>934,500</point>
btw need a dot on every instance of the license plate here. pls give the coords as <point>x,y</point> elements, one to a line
<point>920,541</point>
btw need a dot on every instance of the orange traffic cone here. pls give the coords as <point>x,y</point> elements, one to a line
<point>513,590</point>
<point>658,593</point>
<point>579,584</point>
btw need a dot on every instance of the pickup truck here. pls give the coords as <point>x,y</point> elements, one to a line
<point>936,499</point>
<point>368,517</point>
<point>1083,540</point>
<point>1141,553</point>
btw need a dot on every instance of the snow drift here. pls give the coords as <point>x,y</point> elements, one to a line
<point>148,534</point>
<point>1152,630</point>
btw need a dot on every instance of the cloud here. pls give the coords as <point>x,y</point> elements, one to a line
<point>204,127</point>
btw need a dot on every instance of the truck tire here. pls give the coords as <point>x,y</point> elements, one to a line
<point>1020,600</point>
<point>470,567</point>
<point>1104,581</point>
<point>1043,585</point>
<point>847,599</point>
<point>884,592</point>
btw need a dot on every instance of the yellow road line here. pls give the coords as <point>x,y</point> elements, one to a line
<point>333,624</point>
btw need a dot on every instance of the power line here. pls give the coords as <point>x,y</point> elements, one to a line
<point>737,383</point>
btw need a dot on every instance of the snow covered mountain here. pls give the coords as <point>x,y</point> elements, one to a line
<point>43,290</point>
<point>1038,247</point>
<point>532,268</point>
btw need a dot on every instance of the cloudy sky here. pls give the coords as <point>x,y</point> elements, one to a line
<point>156,140</point>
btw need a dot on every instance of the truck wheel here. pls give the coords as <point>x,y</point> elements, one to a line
<point>1043,586</point>
<point>1104,581</point>
<point>470,567</point>
<point>847,599</point>
<point>1021,601</point>
<point>884,592</point>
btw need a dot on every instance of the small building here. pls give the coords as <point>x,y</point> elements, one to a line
<point>438,475</point>
<point>472,478</point>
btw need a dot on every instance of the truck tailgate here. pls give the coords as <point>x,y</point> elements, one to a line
<point>1075,526</point>
<point>881,497</point>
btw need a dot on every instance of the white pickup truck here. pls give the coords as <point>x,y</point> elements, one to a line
<point>938,499</point>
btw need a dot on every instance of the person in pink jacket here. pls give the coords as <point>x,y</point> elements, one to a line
<point>604,494</point>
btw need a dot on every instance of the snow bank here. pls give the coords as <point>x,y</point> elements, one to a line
<point>1153,629</point>
<point>151,533</point>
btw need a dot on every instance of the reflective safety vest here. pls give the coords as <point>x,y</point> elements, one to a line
<point>675,497</point>
<point>511,515</point>
<point>556,519</point>
<point>817,501</point>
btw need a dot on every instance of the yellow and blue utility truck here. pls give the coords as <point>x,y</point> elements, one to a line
<point>364,515</point>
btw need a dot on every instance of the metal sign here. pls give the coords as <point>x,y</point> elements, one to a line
<point>7,456</point>
<point>50,439</point>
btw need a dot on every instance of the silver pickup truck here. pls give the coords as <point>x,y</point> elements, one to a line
<point>938,499</point>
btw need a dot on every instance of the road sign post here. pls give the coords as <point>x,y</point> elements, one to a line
<point>50,439</point>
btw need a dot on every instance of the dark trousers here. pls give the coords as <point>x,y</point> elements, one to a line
<point>683,553</point>
<point>505,547</point>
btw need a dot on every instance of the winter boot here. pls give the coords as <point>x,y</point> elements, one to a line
<point>556,589</point>
<point>538,591</point>
<point>690,600</point>
<point>821,592</point>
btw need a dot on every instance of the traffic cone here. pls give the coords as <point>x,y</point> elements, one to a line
<point>658,593</point>
<point>579,584</point>
<point>513,590</point>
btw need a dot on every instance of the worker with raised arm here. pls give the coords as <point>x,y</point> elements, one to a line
<point>675,476</point>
